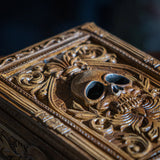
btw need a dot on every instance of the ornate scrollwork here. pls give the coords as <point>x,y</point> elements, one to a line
<point>121,104</point>
<point>125,105</point>
<point>136,146</point>
<point>95,52</point>
<point>37,80</point>
<point>99,100</point>
<point>153,62</point>
<point>38,47</point>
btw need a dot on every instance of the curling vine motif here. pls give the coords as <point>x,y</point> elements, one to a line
<point>127,114</point>
<point>31,50</point>
<point>128,118</point>
<point>37,80</point>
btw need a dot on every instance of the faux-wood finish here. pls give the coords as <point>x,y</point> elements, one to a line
<point>83,94</point>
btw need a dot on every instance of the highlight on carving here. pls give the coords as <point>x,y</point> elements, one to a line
<point>112,102</point>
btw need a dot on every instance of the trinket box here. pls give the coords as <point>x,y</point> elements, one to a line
<point>83,94</point>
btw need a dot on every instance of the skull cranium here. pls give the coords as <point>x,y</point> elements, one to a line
<point>103,89</point>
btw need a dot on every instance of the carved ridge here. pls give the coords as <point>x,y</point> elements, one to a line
<point>136,110</point>
<point>143,57</point>
<point>94,140</point>
<point>12,148</point>
<point>40,46</point>
<point>73,63</point>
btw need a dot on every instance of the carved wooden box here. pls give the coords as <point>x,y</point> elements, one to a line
<point>83,94</point>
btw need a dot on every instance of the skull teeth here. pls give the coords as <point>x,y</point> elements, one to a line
<point>126,103</point>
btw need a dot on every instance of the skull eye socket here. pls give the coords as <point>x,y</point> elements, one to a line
<point>94,90</point>
<point>116,88</point>
<point>117,79</point>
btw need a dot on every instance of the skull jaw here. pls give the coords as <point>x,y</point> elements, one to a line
<point>93,89</point>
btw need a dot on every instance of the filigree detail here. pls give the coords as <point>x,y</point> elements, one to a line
<point>10,59</point>
<point>112,41</point>
<point>37,80</point>
<point>125,109</point>
<point>125,105</point>
<point>136,146</point>
<point>95,52</point>
<point>33,49</point>
<point>153,62</point>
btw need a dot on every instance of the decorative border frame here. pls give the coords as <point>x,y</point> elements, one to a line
<point>54,120</point>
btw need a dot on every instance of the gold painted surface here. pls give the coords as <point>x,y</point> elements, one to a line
<point>96,92</point>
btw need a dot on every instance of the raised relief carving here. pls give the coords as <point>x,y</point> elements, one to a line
<point>13,149</point>
<point>118,104</point>
<point>152,61</point>
<point>133,53</point>
<point>52,122</point>
<point>94,29</point>
<point>37,80</point>
<point>38,47</point>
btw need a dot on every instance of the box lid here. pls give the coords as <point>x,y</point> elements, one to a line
<point>83,94</point>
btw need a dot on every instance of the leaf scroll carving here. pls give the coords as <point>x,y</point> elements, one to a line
<point>136,146</point>
<point>31,50</point>
<point>131,115</point>
<point>126,109</point>
<point>37,80</point>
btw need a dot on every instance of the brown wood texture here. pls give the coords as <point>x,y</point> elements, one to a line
<point>83,94</point>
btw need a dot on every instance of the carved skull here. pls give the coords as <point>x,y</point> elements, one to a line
<point>103,89</point>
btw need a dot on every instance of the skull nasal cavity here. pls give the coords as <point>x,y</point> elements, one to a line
<point>117,79</point>
<point>94,90</point>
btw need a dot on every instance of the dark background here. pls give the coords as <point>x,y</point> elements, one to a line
<point>23,23</point>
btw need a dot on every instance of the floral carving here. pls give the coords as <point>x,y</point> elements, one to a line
<point>31,50</point>
<point>91,94</point>
<point>123,106</point>
<point>135,145</point>
<point>127,107</point>
<point>37,80</point>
